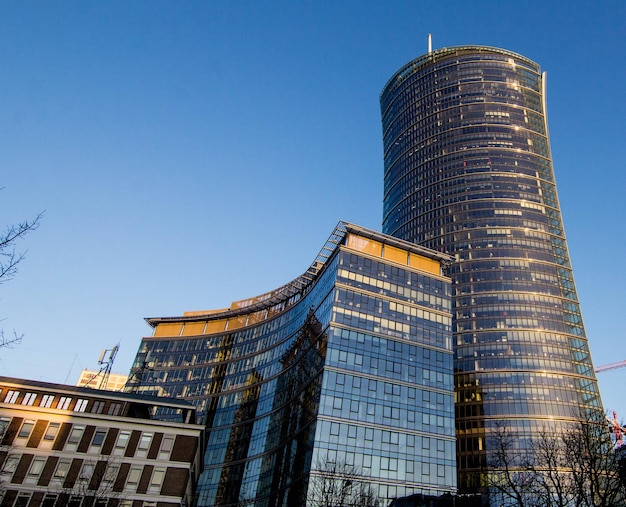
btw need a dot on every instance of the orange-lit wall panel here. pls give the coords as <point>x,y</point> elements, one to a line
<point>395,254</point>
<point>193,328</point>
<point>168,329</point>
<point>425,264</point>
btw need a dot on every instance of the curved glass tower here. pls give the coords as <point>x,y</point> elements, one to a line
<point>334,389</point>
<point>468,172</point>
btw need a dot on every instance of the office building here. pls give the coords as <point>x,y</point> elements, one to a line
<point>97,379</point>
<point>346,370</point>
<point>468,172</point>
<point>70,446</point>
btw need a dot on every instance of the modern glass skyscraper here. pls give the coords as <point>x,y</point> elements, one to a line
<point>334,387</point>
<point>468,172</point>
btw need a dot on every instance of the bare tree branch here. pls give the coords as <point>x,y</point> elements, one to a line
<point>574,467</point>
<point>9,256</point>
<point>336,483</point>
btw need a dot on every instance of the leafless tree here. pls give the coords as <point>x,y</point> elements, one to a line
<point>337,484</point>
<point>595,464</point>
<point>510,476</point>
<point>94,484</point>
<point>575,467</point>
<point>10,257</point>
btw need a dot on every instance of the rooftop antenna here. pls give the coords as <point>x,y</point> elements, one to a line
<point>430,43</point>
<point>106,365</point>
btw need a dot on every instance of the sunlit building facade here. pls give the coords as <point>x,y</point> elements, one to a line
<point>69,446</point>
<point>348,367</point>
<point>468,172</point>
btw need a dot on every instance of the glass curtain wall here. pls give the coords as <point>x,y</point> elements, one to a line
<point>468,171</point>
<point>347,369</point>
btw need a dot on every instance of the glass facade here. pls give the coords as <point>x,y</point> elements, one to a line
<point>468,172</point>
<point>349,366</point>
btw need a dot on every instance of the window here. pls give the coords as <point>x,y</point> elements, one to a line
<point>62,469</point>
<point>166,446</point>
<point>144,444</point>
<point>111,473</point>
<point>22,500</point>
<point>46,400</point>
<point>97,407</point>
<point>81,405</point>
<point>10,465</point>
<point>133,478</point>
<point>4,423</point>
<point>75,434</point>
<point>156,481</point>
<point>11,396</point>
<point>64,403</point>
<point>115,408</point>
<point>98,437</point>
<point>86,472</point>
<point>26,428</point>
<point>75,501</point>
<point>51,431</point>
<point>49,501</point>
<point>29,399</point>
<point>36,467</point>
<point>122,440</point>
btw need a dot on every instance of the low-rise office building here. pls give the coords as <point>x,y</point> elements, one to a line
<point>96,379</point>
<point>70,446</point>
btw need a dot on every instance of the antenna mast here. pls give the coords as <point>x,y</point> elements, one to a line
<point>106,365</point>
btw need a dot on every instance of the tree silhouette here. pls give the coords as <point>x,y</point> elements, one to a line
<point>10,257</point>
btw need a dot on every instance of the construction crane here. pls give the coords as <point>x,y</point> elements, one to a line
<point>610,366</point>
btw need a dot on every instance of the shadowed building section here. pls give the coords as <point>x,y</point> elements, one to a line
<point>350,365</point>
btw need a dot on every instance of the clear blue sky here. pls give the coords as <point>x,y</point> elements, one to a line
<point>189,154</point>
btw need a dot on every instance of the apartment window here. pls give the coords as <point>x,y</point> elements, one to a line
<point>75,435</point>
<point>86,472</point>
<point>51,431</point>
<point>144,444</point>
<point>4,422</point>
<point>11,396</point>
<point>156,481</point>
<point>111,473</point>
<point>133,478</point>
<point>46,400</point>
<point>26,428</point>
<point>166,446</point>
<point>36,467</point>
<point>97,407</point>
<point>22,500</point>
<point>122,440</point>
<point>62,469</point>
<point>98,437</point>
<point>10,464</point>
<point>29,399</point>
<point>115,408</point>
<point>64,403</point>
<point>81,405</point>
<point>49,501</point>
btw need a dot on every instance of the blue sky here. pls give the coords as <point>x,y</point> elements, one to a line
<point>189,154</point>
